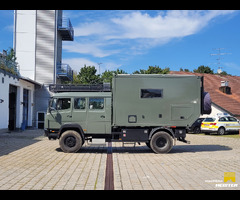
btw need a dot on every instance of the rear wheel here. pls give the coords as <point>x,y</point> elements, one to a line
<point>197,130</point>
<point>221,131</point>
<point>70,141</point>
<point>161,142</point>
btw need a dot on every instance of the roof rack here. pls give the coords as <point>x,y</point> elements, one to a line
<point>105,87</point>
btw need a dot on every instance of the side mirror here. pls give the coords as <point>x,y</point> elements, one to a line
<point>51,109</point>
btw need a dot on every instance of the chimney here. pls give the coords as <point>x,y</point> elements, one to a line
<point>225,88</point>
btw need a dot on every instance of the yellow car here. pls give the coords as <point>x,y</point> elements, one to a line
<point>220,125</point>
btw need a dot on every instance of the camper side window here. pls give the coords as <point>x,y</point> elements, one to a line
<point>151,93</point>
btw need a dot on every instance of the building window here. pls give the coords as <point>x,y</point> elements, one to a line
<point>151,93</point>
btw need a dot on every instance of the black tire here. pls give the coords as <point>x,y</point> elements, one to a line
<point>197,130</point>
<point>70,141</point>
<point>161,142</point>
<point>221,131</point>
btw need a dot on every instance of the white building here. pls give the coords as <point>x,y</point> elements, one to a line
<point>16,102</point>
<point>38,36</point>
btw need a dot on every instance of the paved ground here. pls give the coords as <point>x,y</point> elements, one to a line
<point>30,161</point>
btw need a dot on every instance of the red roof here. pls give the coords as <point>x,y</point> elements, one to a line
<point>212,82</point>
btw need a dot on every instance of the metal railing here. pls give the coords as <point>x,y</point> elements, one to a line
<point>105,87</point>
<point>65,24</point>
<point>65,71</point>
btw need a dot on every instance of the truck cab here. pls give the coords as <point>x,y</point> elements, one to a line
<point>89,110</point>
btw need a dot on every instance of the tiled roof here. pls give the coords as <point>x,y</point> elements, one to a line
<point>212,82</point>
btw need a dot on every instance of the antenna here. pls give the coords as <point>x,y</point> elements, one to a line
<point>219,54</point>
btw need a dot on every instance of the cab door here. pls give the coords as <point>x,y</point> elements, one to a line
<point>60,112</point>
<point>79,113</point>
<point>99,115</point>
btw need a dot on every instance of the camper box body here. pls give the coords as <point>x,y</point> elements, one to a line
<point>156,100</point>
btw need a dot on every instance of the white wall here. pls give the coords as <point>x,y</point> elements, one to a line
<point>4,107</point>
<point>4,94</point>
<point>25,40</point>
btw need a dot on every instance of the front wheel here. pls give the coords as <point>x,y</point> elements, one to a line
<point>161,142</point>
<point>70,141</point>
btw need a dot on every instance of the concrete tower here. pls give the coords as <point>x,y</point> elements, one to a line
<point>38,36</point>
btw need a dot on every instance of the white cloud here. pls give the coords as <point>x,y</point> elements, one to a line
<point>135,32</point>
<point>94,28</point>
<point>166,26</point>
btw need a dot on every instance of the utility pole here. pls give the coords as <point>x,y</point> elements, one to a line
<point>219,54</point>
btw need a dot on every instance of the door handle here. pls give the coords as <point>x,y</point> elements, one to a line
<point>102,116</point>
<point>70,116</point>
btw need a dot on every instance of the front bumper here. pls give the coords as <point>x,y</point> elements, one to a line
<point>51,134</point>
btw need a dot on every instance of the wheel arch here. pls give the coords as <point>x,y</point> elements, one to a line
<point>167,130</point>
<point>70,126</point>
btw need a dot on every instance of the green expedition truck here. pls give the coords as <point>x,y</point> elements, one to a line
<point>155,109</point>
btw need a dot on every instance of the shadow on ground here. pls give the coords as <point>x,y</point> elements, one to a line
<point>13,141</point>
<point>199,148</point>
<point>145,149</point>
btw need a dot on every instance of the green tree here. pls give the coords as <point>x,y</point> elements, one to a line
<point>224,73</point>
<point>8,62</point>
<point>153,70</point>
<point>184,70</point>
<point>87,75</point>
<point>11,55</point>
<point>76,79</point>
<point>108,75</point>
<point>203,69</point>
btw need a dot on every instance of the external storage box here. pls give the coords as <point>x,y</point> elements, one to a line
<point>156,100</point>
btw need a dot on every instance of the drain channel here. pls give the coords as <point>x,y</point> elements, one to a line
<point>109,178</point>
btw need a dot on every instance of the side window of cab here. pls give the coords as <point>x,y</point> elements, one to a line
<point>61,103</point>
<point>79,103</point>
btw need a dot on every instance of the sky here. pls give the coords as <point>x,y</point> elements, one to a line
<point>135,39</point>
